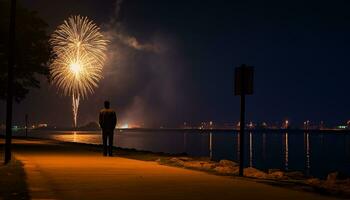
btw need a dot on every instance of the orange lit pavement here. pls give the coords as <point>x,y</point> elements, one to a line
<point>56,171</point>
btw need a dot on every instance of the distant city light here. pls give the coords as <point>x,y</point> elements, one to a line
<point>342,127</point>
<point>125,126</point>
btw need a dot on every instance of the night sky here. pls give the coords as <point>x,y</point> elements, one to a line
<point>181,64</point>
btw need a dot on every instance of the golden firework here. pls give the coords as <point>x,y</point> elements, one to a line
<point>80,51</point>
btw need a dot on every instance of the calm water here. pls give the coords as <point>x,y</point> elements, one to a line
<point>316,154</point>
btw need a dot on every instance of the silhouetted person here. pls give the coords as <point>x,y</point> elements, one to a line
<point>107,120</point>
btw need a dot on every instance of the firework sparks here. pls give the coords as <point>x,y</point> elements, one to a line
<point>80,51</point>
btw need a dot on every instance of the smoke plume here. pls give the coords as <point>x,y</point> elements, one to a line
<point>143,80</point>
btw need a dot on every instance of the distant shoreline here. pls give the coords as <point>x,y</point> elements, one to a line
<point>194,130</point>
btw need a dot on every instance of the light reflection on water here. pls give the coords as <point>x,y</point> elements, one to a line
<point>210,145</point>
<point>286,151</point>
<point>250,149</point>
<point>315,153</point>
<point>307,154</point>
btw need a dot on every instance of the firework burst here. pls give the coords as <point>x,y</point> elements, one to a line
<point>80,51</point>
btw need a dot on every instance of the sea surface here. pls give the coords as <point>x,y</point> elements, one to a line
<point>314,153</point>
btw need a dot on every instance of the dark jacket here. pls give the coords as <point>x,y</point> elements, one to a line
<point>107,119</point>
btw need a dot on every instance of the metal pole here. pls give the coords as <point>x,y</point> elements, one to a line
<point>243,86</point>
<point>241,135</point>
<point>242,124</point>
<point>9,100</point>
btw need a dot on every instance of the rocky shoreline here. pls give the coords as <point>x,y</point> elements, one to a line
<point>332,185</point>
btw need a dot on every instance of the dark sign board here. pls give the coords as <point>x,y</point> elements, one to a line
<point>244,76</point>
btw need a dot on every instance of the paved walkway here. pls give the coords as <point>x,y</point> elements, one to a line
<point>56,171</point>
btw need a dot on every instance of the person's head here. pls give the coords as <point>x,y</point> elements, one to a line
<point>106,104</point>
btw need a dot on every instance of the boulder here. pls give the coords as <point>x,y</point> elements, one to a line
<point>226,170</point>
<point>185,159</point>
<point>276,175</point>
<point>176,162</point>
<point>313,181</point>
<point>227,163</point>
<point>332,178</point>
<point>254,173</point>
<point>208,165</point>
<point>295,175</point>
<point>270,171</point>
<point>201,165</point>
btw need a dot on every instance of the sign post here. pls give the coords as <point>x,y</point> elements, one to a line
<point>244,76</point>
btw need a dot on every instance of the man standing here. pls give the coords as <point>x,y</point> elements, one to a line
<point>108,120</point>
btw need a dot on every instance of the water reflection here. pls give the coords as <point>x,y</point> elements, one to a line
<point>238,147</point>
<point>347,148</point>
<point>210,145</point>
<point>286,152</point>
<point>307,154</point>
<point>74,136</point>
<point>250,149</point>
<point>184,142</point>
<point>264,147</point>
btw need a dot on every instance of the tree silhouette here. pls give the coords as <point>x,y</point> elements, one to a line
<point>32,50</point>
